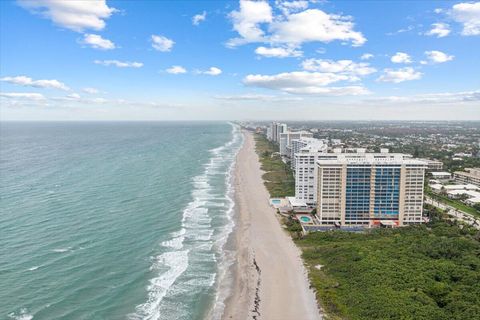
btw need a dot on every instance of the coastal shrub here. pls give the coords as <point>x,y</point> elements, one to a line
<point>278,177</point>
<point>418,272</point>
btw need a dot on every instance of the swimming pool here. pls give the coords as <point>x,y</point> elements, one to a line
<point>275,201</point>
<point>305,219</point>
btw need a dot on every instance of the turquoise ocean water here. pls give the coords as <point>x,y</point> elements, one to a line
<point>115,220</point>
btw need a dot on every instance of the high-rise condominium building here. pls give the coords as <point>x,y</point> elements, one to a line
<point>369,189</point>
<point>276,129</point>
<point>269,133</point>
<point>304,160</point>
<point>287,137</point>
<point>315,145</point>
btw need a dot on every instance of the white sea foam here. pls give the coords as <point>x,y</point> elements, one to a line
<point>60,250</point>
<point>177,263</point>
<point>33,268</point>
<point>22,315</point>
<point>197,245</point>
<point>227,259</point>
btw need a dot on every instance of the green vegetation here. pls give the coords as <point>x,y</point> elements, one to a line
<point>454,203</point>
<point>418,272</point>
<point>293,226</point>
<point>278,176</point>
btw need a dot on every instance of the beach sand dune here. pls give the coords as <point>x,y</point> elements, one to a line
<point>270,280</point>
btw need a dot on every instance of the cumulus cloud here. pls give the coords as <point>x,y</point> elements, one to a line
<point>247,20</point>
<point>288,7</point>
<point>97,42</point>
<point>161,43</point>
<point>176,70</point>
<point>23,95</point>
<point>119,64</point>
<point>213,71</point>
<point>401,57</point>
<point>29,82</point>
<point>435,56</point>
<point>366,56</point>
<point>439,30</point>
<point>294,29</point>
<point>303,82</point>
<point>347,67</point>
<point>399,75</point>
<point>468,14</point>
<point>278,52</point>
<point>90,90</point>
<point>199,18</point>
<point>76,15</point>
<point>315,25</point>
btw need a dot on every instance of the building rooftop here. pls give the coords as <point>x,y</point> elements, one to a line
<point>369,158</point>
<point>471,172</point>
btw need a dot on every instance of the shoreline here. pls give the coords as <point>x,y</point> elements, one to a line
<point>269,278</point>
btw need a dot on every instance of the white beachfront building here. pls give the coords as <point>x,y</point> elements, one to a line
<point>305,167</point>
<point>314,144</point>
<point>287,137</point>
<point>275,130</point>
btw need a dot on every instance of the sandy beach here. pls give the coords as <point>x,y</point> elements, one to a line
<point>270,280</point>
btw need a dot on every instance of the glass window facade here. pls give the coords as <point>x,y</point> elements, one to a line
<point>357,196</point>
<point>387,192</point>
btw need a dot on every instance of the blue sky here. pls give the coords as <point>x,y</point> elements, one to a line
<point>153,60</point>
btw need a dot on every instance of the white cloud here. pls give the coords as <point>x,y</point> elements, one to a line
<point>23,95</point>
<point>76,15</point>
<point>401,57</point>
<point>73,96</point>
<point>347,67</point>
<point>366,56</point>
<point>29,82</point>
<point>311,25</point>
<point>257,97</point>
<point>435,56</point>
<point>315,25</point>
<point>162,43</point>
<point>90,90</point>
<point>399,31</point>
<point>97,42</point>
<point>468,14</point>
<point>247,21</point>
<point>288,7</point>
<point>199,18</point>
<point>303,82</point>
<point>119,64</point>
<point>278,52</point>
<point>176,70</point>
<point>213,71</point>
<point>439,30</point>
<point>434,98</point>
<point>399,75</point>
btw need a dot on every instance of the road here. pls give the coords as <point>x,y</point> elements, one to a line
<point>457,214</point>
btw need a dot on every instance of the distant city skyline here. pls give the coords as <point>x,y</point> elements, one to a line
<point>238,60</point>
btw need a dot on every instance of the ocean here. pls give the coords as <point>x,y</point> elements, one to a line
<point>116,220</point>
